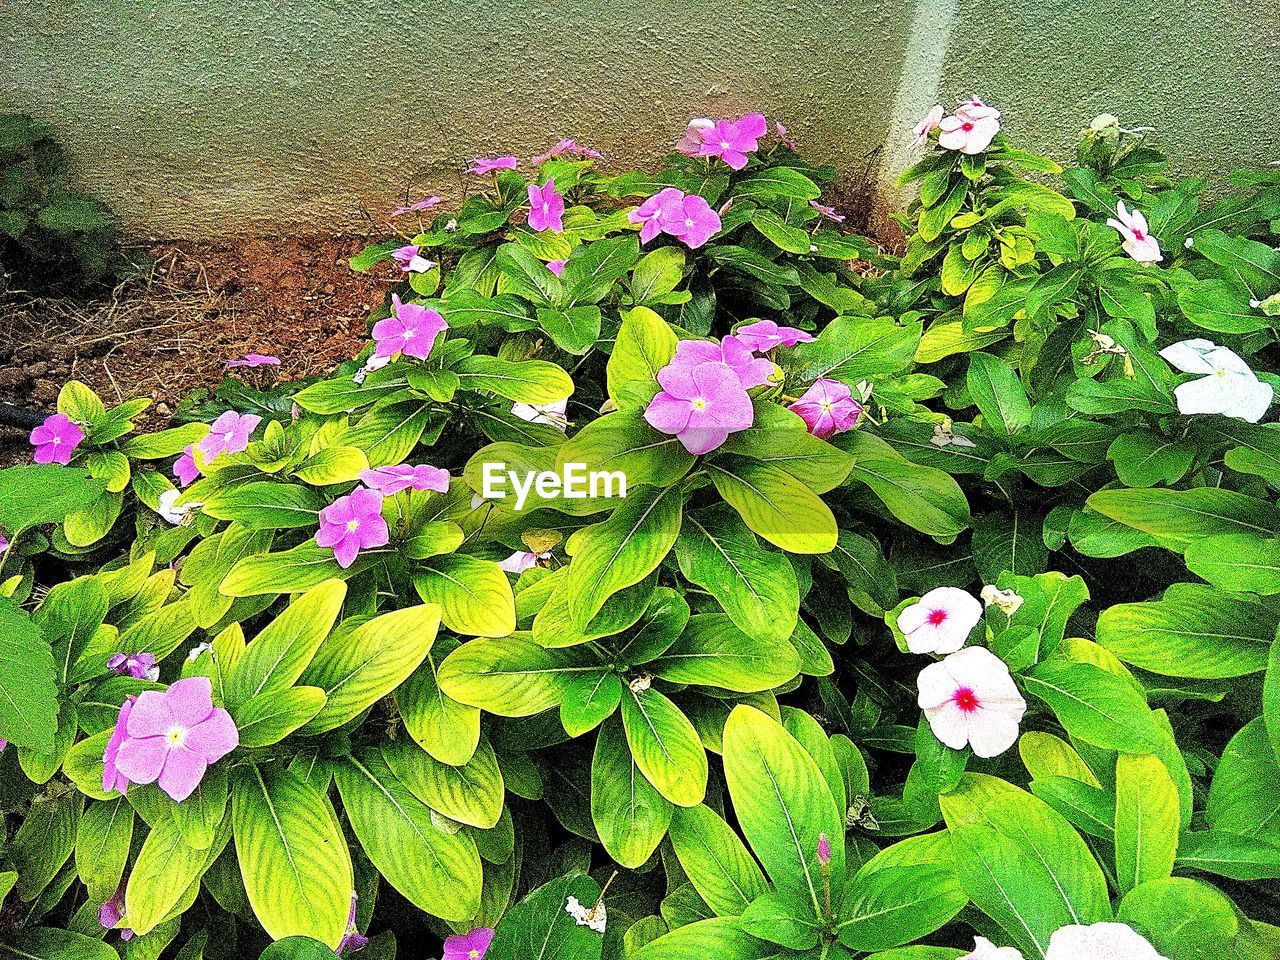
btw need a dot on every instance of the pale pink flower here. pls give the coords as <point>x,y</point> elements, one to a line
<point>731,352</point>
<point>553,413</point>
<point>112,912</point>
<point>546,207</point>
<point>353,940</point>
<point>700,404</point>
<point>650,213</point>
<point>780,132</point>
<point>984,949</point>
<point>765,335</point>
<point>470,946</point>
<point>692,141</point>
<point>228,434</point>
<point>426,203</point>
<point>1100,941</point>
<point>826,211</point>
<point>484,165</point>
<point>970,698</point>
<point>975,109</point>
<point>556,266</point>
<point>255,360</point>
<point>690,219</point>
<point>410,260</point>
<point>571,147</point>
<point>521,560</point>
<point>824,850</point>
<point>351,524</point>
<point>395,479</point>
<point>827,407</point>
<point>940,621</point>
<point>972,128</point>
<point>1138,243</point>
<point>928,123</point>
<point>140,666</point>
<point>184,468</point>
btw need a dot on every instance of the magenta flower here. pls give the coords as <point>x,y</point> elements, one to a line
<point>255,360</point>
<point>826,211</point>
<point>184,468</point>
<point>228,434</point>
<point>691,220</point>
<point>732,352</point>
<point>781,132</point>
<point>824,850</point>
<point>426,203</point>
<point>112,779</point>
<point>353,939</point>
<point>4,543</point>
<point>701,405</point>
<point>471,946</point>
<point>411,329</point>
<point>765,335</point>
<point>140,666</point>
<point>732,140</point>
<point>172,737</point>
<point>691,144</point>
<point>484,165</point>
<point>410,260</point>
<point>351,524</point>
<point>389,481</point>
<point>56,439</point>
<point>828,407</point>
<point>546,207</point>
<point>571,147</point>
<point>650,212</point>
<point>112,912</point>
<point>556,266</point>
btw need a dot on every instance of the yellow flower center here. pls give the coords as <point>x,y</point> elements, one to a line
<point>353,525</point>
<point>699,403</point>
<point>826,406</point>
<point>176,737</point>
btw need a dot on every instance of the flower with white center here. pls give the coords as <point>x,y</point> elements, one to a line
<point>1228,386</point>
<point>984,949</point>
<point>1138,243</point>
<point>594,917</point>
<point>521,560</point>
<point>1100,941</point>
<point>1006,601</point>
<point>175,514</point>
<point>550,413</point>
<point>970,698</point>
<point>941,621</point>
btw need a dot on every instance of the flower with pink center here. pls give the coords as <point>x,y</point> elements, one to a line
<point>1100,941</point>
<point>732,140</point>
<point>411,329</point>
<point>780,132</point>
<point>470,946</point>
<point>1138,243</point>
<point>410,260</point>
<point>928,123</point>
<point>828,212</point>
<point>571,147</point>
<point>56,439</point>
<point>731,352</point>
<point>483,165</point>
<point>970,698</point>
<point>184,468</point>
<point>546,207</point>
<point>521,560</point>
<point>971,129</point>
<point>140,666</point>
<point>255,360</point>
<point>691,143</point>
<point>112,779</point>
<point>765,335</point>
<point>353,939</point>
<point>112,912</point>
<point>353,523</point>
<point>228,434</point>
<point>690,220</point>
<point>827,408</point>
<point>940,621</point>
<point>556,266</point>
<point>700,404</point>
<point>426,203</point>
<point>984,949</point>
<point>389,481</point>
<point>650,212</point>
<point>172,737</point>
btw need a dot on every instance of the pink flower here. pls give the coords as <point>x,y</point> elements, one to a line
<point>184,468</point>
<point>731,141</point>
<point>1100,941</point>
<point>700,404</point>
<point>781,133</point>
<point>546,207</point>
<point>556,266</point>
<point>411,329</point>
<point>691,144</point>
<point>567,146</point>
<point>56,439</point>
<point>984,949</point>
<point>172,737</point>
<point>483,165</point>
<point>828,407</point>
<point>410,260</point>
<point>690,219</point>
<point>424,204</point>
<point>392,480</point>
<point>765,335</point>
<point>112,912</point>
<point>731,352</point>
<point>228,434</point>
<point>970,698</point>
<point>255,360</point>
<point>112,779</point>
<point>1132,226</point>
<point>353,939</point>
<point>826,211</point>
<point>140,666</point>
<point>972,128</point>
<point>471,946</point>
<point>824,850</point>
<point>351,524</point>
<point>4,545</point>
<point>928,123</point>
<point>520,561</point>
<point>940,621</point>
<point>650,212</point>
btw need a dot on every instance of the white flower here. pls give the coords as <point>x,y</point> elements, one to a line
<point>972,128</point>
<point>1229,387</point>
<point>941,621</point>
<point>1100,941</point>
<point>1006,601</point>
<point>984,949</point>
<point>1189,242</point>
<point>552,413</point>
<point>594,918</point>
<point>1138,243</point>
<point>197,651</point>
<point>970,698</point>
<point>174,514</point>
<point>521,560</point>
<point>944,436</point>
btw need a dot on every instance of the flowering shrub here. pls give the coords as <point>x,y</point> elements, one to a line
<point>859,664</point>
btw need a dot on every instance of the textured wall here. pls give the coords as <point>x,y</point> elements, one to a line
<point>201,117</point>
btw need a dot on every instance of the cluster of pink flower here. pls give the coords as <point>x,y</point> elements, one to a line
<point>355,522</point>
<point>970,130</point>
<point>687,217</point>
<point>730,140</point>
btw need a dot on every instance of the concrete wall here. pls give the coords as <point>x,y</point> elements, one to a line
<point>199,117</point>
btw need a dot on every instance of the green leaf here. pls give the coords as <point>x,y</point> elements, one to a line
<point>769,917</point>
<point>646,343</point>
<point>630,815</point>
<point>894,905</point>
<point>713,652</point>
<point>657,274</point>
<point>1179,517</point>
<point>102,846</point>
<point>720,868</point>
<point>624,442</point>
<point>47,943</point>
<point>36,495</point>
<point>719,937</point>
<point>1146,820</point>
<point>43,843</point>
<point>593,268</point>
<point>290,571</point>
<point>574,330</point>
<point>1238,562</point>
<point>267,505</point>
<point>166,866</point>
<point>297,948</point>
<point>270,717</point>
<point>775,505</point>
<point>1229,855</point>
<point>998,393</point>
<point>1183,918</point>
<point>777,182</point>
<point>539,927</point>
<point>28,697</point>
<point>512,677</point>
<point>924,498</point>
<point>471,793</point>
<point>523,381</point>
<point>1095,705</point>
<point>293,857</point>
<point>851,349</point>
<point>1242,796</point>
<point>445,728</point>
<point>665,746</point>
<point>474,595</point>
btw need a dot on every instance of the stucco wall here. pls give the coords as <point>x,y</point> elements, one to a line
<point>197,117</point>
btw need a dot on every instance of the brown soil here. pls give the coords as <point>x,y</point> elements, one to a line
<point>173,330</point>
